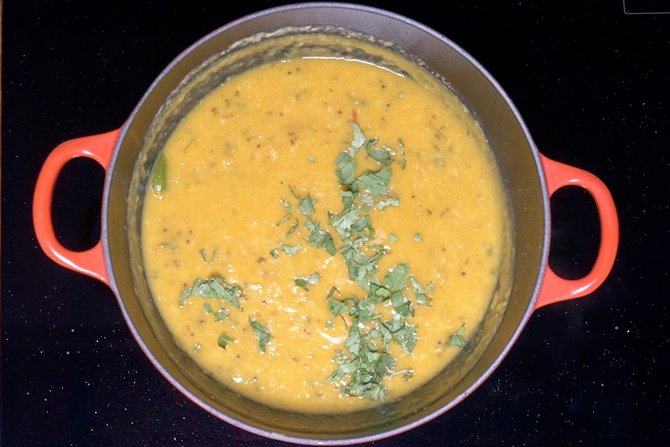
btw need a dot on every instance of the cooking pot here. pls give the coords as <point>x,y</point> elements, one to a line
<point>530,177</point>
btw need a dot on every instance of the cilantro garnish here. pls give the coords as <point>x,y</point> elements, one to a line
<point>291,250</point>
<point>362,371</point>
<point>305,282</point>
<point>262,334</point>
<point>215,287</point>
<point>347,168</point>
<point>306,206</point>
<point>203,255</point>
<point>221,314</point>
<point>359,139</point>
<point>456,339</point>
<point>373,181</point>
<point>336,307</point>
<point>224,340</point>
<point>319,238</point>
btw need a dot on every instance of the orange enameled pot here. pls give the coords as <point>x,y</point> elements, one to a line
<point>531,179</point>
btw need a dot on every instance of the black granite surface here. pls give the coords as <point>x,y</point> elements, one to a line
<point>590,78</point>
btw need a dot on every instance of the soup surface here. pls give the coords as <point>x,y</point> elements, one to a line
<point>324,234</point>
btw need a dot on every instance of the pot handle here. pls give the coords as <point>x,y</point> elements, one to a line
<point>97,147</point>
<point>555,288</point>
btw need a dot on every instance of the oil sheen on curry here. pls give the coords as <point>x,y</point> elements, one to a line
<point>324,234</point>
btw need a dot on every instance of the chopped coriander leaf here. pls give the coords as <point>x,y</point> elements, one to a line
<point>378,292</point>
<point>401,305</point>
<point>359,138</point>
<point>417,237</point>
<point>391,201</point>
<point>290,189</point>
<point>215,287</point>
<point>291,250</point>
<point>305,282</point>
<point>362,225</point>
<point>365,371</point>
<point>344,222</point>
<point>393,238</point>
<point>419,292</point>
<point>203,254</point>
<point>169,245</point>
<point>349,199</point>
<point>221,314</point>
<point>380,156</point>
<point>287,206</point>
<point>282,220</point>
<point>404,335</point>
<point>336,307</point>
<point>359,265</point>
<point>374,182</point>
<point>456,339</point>
<point>407,374</point>
<point>262,334</point>
<point>346,367</point>
<point>306,206</point>
<point>302,283</point>
<point>320,238</point>
<point>363,310</point>
<point>353,342</point>
<point>224,340</point>
<point>369,144</point>
<point>395,278</point>
<point>347,168</point>
<point>208,308</point>
<point>367,201</point>
<point>184,296</point>
<point>314,278</point>
<point>293,229</point>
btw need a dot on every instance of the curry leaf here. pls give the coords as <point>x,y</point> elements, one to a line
<point>159,176</point>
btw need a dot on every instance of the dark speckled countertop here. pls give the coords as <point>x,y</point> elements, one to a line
<point>591,81</point>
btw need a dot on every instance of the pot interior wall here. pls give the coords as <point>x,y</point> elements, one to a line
<point>503,128</point>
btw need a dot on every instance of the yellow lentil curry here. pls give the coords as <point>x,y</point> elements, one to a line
<point>324,234</point>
